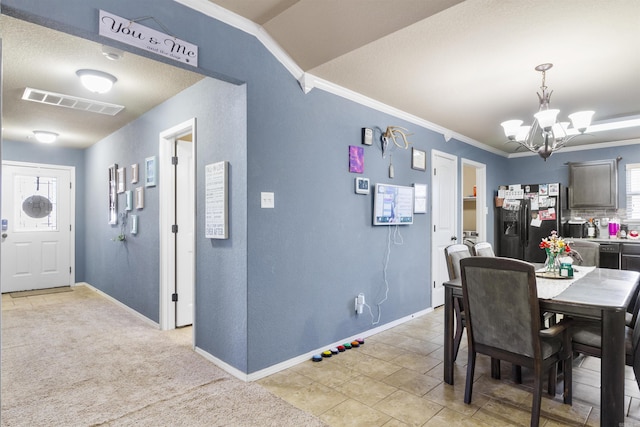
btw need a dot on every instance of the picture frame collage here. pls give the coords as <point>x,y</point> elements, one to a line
<point>134,196</point>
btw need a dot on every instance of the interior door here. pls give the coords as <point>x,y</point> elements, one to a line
<point>444,218</point>
<point>36,227</point>
<point>185,256</point>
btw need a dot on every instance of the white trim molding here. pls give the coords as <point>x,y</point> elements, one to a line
<point>309,82</point>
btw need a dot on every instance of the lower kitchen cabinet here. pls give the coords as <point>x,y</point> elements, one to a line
<point>630,257</point>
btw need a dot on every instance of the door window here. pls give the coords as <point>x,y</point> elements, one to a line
<point>35,203</point>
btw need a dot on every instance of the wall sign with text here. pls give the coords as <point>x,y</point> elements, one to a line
<point>134,34</point>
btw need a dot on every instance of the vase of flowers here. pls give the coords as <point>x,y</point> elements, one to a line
<point>554,246</point>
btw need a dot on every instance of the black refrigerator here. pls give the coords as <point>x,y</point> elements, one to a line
<point>528,214</point>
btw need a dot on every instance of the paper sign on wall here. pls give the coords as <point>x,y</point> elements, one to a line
<point>216,201</point>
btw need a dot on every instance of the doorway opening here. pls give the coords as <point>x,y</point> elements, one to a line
<point>177,225</point>
<point>474,209</point>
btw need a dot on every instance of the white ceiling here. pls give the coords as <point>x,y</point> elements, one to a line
<point>49,59</point>
<point>467,65</point>
<point>462,65</point>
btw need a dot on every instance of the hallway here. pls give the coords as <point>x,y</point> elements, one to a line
<point>78,359</point>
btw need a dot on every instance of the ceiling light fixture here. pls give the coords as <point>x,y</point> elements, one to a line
<point>45,137</point>
<point>554,134</point>
<point>96,81</point>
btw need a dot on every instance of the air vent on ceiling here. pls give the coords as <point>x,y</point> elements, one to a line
<point>52,98</point>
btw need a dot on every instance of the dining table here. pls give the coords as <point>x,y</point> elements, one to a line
<point>600,294</point>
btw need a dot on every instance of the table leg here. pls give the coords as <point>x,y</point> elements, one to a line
<point>612,370</point>
<point>448,335</point>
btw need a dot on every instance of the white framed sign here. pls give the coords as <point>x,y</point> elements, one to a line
<point>420,195</point>
<point>217,200</point>
<point>134,34</point>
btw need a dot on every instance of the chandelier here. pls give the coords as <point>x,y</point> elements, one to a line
<point>546,135</point>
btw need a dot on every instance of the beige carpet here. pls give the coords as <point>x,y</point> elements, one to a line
<point>77,359</point>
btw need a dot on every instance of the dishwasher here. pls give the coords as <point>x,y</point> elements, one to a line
<point>610,255</point>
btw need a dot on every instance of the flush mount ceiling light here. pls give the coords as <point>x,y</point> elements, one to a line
<point>546,135</point>
<point>96,81</point>
<point>45,137</point>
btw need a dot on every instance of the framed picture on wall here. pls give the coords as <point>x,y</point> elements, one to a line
<point>150,172</point>
<point>134,173</point>
<point>418,159</point>
<point>129,200</point>
<point>121,180</point>
<point>139,197</point>
<point>113,194</point>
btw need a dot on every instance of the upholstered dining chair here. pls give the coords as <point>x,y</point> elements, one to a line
<point>483,249</point>
<point>503,321</point>
<point>589,252</point>
<point>453,254</point>
<point>586,338</point>
<point>589,255</point>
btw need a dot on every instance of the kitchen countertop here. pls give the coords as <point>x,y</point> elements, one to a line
<point>607,240</point>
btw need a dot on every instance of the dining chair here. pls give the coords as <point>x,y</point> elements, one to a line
<point>589,252</point>
<point>503,321</point>
<point>483,249</point>
<point>453,254</point>
<point>586,338</point>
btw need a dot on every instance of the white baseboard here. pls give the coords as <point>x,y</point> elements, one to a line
<point>303,357</point>
<point>124,306</point>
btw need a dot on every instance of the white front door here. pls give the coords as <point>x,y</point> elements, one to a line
<point>36,227</point>
<point>444,217</point>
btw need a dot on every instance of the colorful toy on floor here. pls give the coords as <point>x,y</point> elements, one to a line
<point>317,358</point>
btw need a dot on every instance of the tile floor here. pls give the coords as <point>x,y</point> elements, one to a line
<point>395,379</point>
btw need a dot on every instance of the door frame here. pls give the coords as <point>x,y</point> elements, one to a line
<point>167,252</point>
<point>481,197</point>
<point>72,206</point>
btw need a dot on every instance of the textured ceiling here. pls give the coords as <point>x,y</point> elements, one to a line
<point>49,60</point>
<point>467,65</point>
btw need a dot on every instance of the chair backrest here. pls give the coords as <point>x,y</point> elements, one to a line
<point>636,348</point>
<point>501,304</point>
<point>483,249</point>
<point>453,254</point>
<point>589,252</point>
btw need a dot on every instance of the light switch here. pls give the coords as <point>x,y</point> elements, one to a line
<point>267,200</point>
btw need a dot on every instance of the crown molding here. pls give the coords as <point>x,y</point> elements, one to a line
<point>309,82</point>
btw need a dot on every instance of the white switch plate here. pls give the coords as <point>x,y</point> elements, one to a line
<point>267,200</point>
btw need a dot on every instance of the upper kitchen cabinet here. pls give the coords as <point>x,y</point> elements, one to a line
<point>593,184</point>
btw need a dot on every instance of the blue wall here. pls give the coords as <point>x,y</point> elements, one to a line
<point>52,155</point>
<point>285,281</point>
<point>129,271</point>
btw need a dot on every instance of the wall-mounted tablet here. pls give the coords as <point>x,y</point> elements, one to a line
<point>392,205</point>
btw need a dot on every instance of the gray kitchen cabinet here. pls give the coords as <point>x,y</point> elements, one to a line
<point>593,184</point>
<point>630,259</point>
